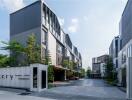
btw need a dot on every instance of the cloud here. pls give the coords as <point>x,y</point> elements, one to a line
<point>11,5</point>
<point>74,25</point>
<point>61,21</point>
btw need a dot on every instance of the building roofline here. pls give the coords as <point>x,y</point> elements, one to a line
<point>125,7</point>
<point>26,7</point>
<point>39,1</point>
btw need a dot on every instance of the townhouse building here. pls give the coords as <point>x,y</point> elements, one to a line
<point>38,19</point>
<point>113,50</point>
<point>98,66</point>
<point>125,42</point>
<point>120,48</point>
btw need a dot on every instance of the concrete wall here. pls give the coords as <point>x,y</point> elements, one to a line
<point>22,77</point>
<point>15,77</point>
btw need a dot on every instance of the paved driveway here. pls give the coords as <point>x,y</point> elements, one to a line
<point>85,89</point>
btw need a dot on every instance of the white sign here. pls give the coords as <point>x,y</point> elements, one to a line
<point>23,77</point>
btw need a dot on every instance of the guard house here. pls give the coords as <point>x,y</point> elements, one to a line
<point>33,77</point>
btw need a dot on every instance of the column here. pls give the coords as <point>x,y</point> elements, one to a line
<point>65,75</point>
<point>129,78</point>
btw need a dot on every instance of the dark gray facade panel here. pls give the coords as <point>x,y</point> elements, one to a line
<point>126,24</point>
<point>25,19</point>
<point>23,37</point>
<point>68,41</point>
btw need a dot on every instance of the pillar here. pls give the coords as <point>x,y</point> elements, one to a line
<point>65,75</point>
<point>129,78</point>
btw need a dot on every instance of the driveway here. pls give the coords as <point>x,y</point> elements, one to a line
<point>84,89</point>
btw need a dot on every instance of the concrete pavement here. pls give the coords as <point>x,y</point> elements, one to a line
<point>18,97</point>
<point>86,89</point>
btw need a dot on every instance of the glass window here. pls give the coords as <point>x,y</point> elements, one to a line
<point>43,18</point>
<point>43,53</point>
<point>44,37</point>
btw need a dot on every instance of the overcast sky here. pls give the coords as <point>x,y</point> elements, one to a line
<point>91,24</point>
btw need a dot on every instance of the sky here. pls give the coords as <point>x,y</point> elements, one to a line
<point>91,24</point>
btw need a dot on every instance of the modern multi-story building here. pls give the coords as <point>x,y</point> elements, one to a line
<point>41,21</point>
<point>125,42</point>
<point>125,24</point>
<point>98,65</point>
<point>113,51</point>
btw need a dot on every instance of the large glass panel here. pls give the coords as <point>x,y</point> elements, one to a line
<point>44,37</point>
<point>43,78</point>
<point>43,53</point>
<point>130,51</point>
<point>43,18</point>
<point>35,77</point>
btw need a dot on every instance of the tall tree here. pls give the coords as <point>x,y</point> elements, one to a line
<point>65,63</point>
<point>82,72</point>
<point>4,60</point>
<point>109,70</point>
<point>33,50</point>
<point>16,49</point>
<point>89,71</point>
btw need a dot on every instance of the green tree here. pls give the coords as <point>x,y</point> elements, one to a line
<point>33,50</point>
<point>48,62</point>
<point>71,65</point>
<point>110,71</point>
<point>16,49</point>
<point>65,63</point>
<point>4,60</point>
<point>82,72</point>
<point>50,73</point>
<point>88,71</point>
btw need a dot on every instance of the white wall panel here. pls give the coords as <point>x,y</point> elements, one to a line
<point>52,48</point>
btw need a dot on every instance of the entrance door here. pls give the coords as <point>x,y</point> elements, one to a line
<point>43,80</point>
<point>35,77</point>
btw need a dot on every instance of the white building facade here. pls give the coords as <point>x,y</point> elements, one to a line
<point>38,19</point>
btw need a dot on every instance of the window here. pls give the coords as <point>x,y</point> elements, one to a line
<point>130,51</point>
<point>44,37</point>
<point>43,19</point>
<point>123,57</point>
<point>43,53</point>
<point>59,49</point>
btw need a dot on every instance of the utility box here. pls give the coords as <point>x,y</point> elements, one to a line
<point>33,77</point>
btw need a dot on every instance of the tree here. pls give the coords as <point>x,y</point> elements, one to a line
<point>16,49</point>
<point>65,63</point>
<point>33,50</point>
<point>50,73</point>
<point>110,71</point>
<point>4,60</point>
<point>82,72</point>
<point>47,60</point>
<point>71,65</point>
<point>89,71</point>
